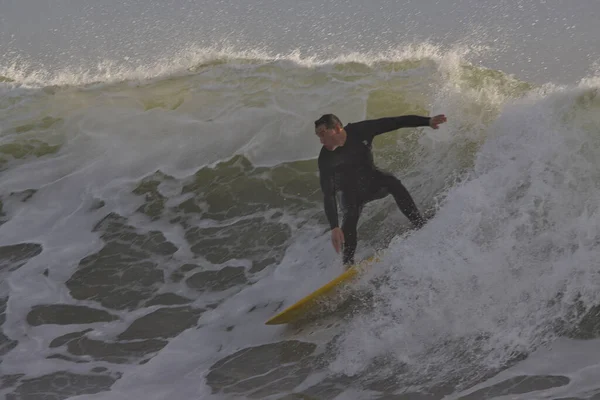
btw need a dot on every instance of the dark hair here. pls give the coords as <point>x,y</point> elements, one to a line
<point>329,120</point>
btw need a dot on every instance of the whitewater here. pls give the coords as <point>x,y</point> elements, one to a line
<point>160,200</point>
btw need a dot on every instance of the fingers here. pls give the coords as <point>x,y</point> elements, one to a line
<point>334,242</point>
<point>337,243</point>
<point>337,239</point>
<point>438,119</point>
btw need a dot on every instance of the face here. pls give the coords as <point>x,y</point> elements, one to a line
<point>330,138</point>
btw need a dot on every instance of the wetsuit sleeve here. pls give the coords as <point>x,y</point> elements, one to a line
<point>374,127</point>
<point>329,200</point>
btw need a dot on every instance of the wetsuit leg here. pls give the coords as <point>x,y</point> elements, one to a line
<point>351,212</point>
<point>392,185</point>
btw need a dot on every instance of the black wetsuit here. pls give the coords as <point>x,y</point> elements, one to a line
<point>350,170</point>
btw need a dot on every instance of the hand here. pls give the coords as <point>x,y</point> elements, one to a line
<point>337,238</point>
<point>435,121</point>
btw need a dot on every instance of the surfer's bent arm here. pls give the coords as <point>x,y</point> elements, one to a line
<point>374,127</point>
<point>329,199</point>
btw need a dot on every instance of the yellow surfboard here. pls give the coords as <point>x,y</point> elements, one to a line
<point>304,305</point>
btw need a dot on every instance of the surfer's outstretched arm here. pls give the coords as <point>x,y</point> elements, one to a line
<point>374,127</point>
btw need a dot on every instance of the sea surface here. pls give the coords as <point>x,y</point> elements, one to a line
<point>160,200</point>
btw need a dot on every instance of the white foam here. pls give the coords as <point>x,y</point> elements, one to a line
<point>487,263</point>
<point>502,247</point>
<point>185,62</point>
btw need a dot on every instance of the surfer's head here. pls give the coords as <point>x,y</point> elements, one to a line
<point>330,131</point>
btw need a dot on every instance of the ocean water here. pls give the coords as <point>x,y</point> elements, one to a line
<point>159,200</point>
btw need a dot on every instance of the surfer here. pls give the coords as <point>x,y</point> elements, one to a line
<point>346,165</point>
